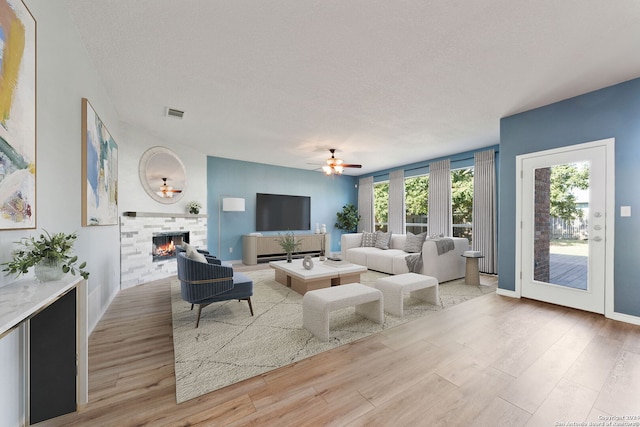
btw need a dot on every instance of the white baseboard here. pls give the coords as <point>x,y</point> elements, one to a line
<point>507,293</point>
<point>621,317</point>
<point>96,306</point>
<point>627,318</point>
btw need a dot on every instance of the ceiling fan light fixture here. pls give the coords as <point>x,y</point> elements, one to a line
<point>167,194</point>
<point>336,166</point>
<point>166,191</point>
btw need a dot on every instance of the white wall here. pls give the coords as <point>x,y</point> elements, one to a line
<point>132,196</point>
<point>65,75</point>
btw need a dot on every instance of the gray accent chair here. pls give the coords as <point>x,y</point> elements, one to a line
<point>204,283</point>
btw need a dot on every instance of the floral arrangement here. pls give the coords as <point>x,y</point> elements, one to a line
<point>49,248</point>
<point>194,207</point>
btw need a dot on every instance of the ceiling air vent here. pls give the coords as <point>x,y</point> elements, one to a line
<point>172,112</point>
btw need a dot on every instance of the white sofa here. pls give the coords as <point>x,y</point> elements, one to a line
<point>445,267</point>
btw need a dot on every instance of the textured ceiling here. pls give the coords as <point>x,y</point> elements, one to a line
<point>385,82</point>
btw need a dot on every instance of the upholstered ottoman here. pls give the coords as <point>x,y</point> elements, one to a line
<point>394,288</point>
<point>318,304</point>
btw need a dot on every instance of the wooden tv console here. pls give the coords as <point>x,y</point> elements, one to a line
<point>257,249</point>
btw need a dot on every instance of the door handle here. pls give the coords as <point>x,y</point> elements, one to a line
<point>597,239</point>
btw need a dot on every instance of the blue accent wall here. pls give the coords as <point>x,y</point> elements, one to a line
<point>235,178</point>
<point>610,112</point>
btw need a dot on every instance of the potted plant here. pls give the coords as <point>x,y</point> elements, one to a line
<point>50,255</point>
<point>194,207</point>
<point>289,244</point>
<point>348,218</point>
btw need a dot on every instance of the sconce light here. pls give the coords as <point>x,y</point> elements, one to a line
<point>227,204</point>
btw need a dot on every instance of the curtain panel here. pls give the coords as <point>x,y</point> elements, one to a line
<point>365,204</point>
<point>397,214</point>
<point>439,220</point>
<point>484,210</point>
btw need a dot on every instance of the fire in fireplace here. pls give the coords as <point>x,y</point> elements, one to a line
<point>164,244</point>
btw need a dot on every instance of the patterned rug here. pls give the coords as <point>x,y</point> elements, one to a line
<point>230,345</point>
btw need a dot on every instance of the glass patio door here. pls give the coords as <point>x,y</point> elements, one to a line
<point>563,227</point>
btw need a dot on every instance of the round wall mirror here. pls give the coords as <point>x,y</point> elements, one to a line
<point>162,174</point>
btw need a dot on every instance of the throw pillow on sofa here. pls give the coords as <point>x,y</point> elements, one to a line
<point>414,263</point>
<point>414,242</point>
<point>383,239</point>
<point>368,239</point>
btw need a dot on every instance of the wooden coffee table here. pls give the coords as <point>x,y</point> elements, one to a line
<point>301,280</point>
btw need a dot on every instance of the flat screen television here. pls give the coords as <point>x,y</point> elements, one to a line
<point>279,212</point>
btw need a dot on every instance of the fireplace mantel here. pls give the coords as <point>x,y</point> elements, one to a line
<point>162,215</point>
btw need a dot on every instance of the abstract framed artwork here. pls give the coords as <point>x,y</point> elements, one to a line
<point>99,171</point>
<point>17,116</point>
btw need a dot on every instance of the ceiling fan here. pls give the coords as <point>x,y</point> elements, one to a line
<point>336,166</point>
<point>166,191</point>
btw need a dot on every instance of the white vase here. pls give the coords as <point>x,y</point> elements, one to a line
<point>49,270</point>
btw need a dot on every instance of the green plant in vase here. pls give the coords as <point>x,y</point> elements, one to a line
<point>289,244</point>
<point>194,207</point>
<point>50,255</point>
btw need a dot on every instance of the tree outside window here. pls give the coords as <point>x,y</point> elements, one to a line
<point>462,202</point>
<point>381,205</point>
<point>416,202</point>
<point>565,179</point>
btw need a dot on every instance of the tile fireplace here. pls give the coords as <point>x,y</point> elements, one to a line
<point>146,241</point>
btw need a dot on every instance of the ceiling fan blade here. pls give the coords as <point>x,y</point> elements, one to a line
<point>350,166</point>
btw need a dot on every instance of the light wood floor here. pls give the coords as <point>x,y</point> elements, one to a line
<point>490,361</point>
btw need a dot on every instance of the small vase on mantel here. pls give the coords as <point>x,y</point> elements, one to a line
<point>289,257</point>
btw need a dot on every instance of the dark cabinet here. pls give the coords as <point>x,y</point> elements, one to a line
<point>53,360</point>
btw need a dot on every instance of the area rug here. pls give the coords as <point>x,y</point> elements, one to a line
<point>230,345</point>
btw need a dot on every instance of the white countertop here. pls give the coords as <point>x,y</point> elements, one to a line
<point>22,299</point>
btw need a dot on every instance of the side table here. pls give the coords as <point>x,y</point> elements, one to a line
<point>472,273</point>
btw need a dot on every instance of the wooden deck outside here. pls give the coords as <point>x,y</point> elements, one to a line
<point>568,270</point>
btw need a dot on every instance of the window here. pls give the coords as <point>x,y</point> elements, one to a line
<point>462,202</point>
<point>416,199</point>
<point>416,196</point>
<point>381,205</point>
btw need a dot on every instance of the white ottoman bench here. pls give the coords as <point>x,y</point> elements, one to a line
<point>318,304</point>
<point>394,288</point>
